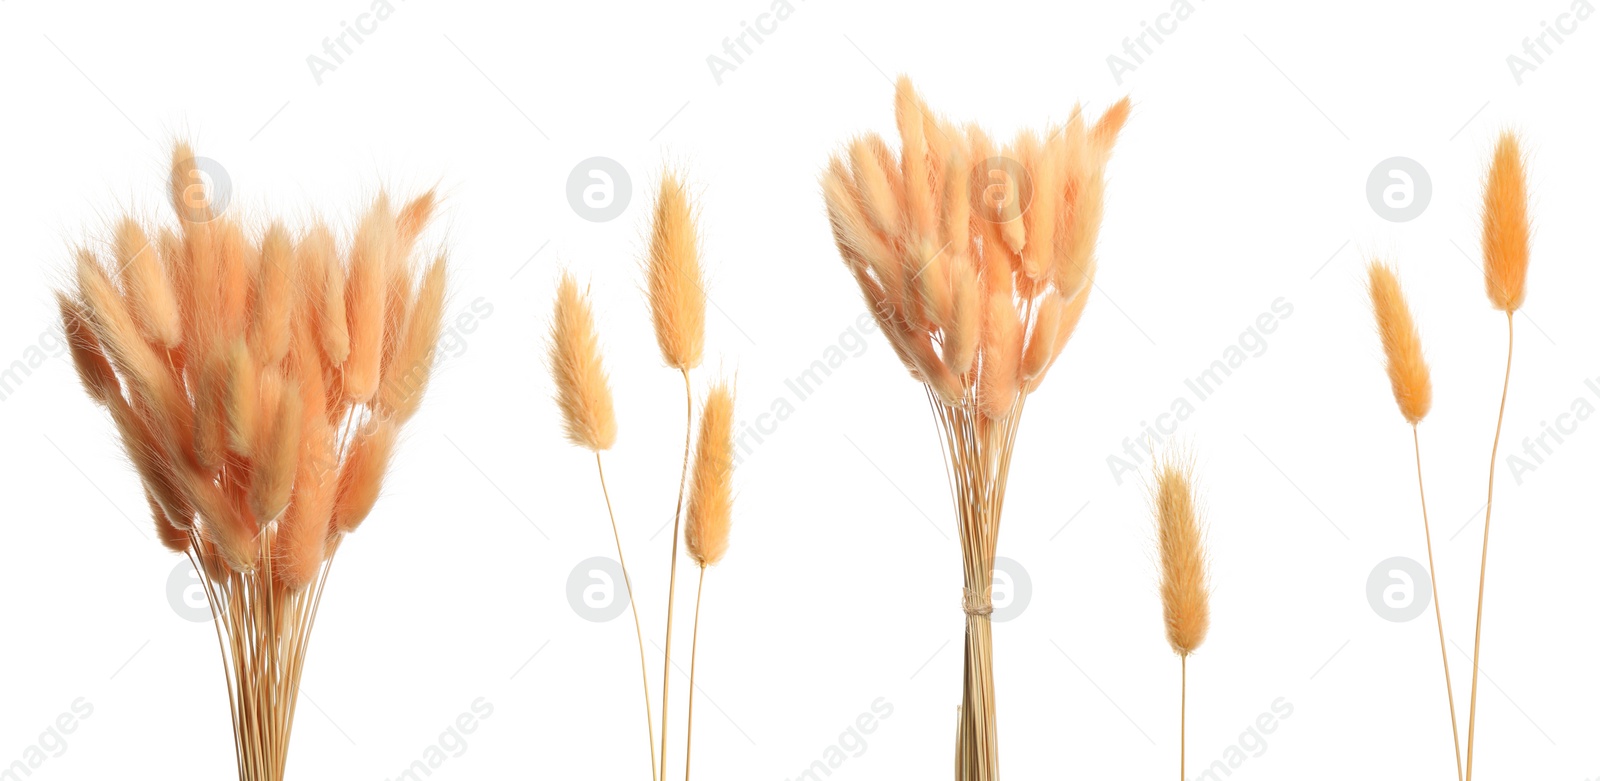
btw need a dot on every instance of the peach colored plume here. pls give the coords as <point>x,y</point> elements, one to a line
<point>1402,347</point>
<point>674,281</point>
<point>711,492</point>
<point>582,390</point>
<point>1185,589</point>
<point>1505,226</point>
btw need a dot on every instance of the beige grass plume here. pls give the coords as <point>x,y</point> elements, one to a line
<point>711,487</point>
<point>675,284</point>
<point>582,390</point>
<point>1185,585</point>
<point>710,516</point>
<point>231,360</point>
<point>1185,589</point>
<point>1402,347</point>
<point>1505,226</point>
<point>1413,392</point>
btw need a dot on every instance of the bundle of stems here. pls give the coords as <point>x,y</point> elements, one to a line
<point>1185,586</point>
<point>1505,239</point>
<point>976,262</point>
<point>258,384</point>
<point>677,300</point>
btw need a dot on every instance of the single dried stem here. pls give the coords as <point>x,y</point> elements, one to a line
<point>627,583</point>
<point>1183,715</point>
<point>672,581</point>
<point>1483,565</point>
<point>694,650</point>
<point>1433,584</point>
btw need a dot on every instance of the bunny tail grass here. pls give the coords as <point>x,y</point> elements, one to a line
<point>1185,590</point>
<point>1402,347</point>
<point>675,283</point>
<point>711,491</point>
<point>1505,226</point>
<point>1413,393</point>
<point>1505,267</point>
<point>710,516</point>
<point>582,390</point>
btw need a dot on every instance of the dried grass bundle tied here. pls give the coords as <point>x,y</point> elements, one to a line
<point>977,261</point>
<point>258,379</point>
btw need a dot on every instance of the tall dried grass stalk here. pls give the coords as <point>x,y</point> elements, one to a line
<point>976,262</point>
<point>1506,234</point>
<point>710,518</point>
<point>259,445</point>
<point>1185,587</point>
<point>1410,381</point>
<point>583,393</point>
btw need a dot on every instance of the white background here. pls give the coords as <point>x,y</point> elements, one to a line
<point>1239,180</point>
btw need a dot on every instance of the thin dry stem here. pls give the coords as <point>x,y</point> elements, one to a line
<point>1483,564</point>
<point>694,654</point>
<point>1438,616</point>
<point>627,583</point>
<point>672,581</point>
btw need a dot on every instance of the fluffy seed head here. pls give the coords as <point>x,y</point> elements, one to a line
<point>711,494</point>
<point>1505,226</point>
<point>582,389</point>
<point>1402,347</point>
<point>149,294</point>
<point>274,297</point>
<point>1185,589</point>
<point>362,474</point>
<point>406,377</point>
<point>365,297</point>
<point>675,284</point>
<point>94,371</point>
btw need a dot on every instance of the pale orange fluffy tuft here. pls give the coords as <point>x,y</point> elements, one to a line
<point>362,475</point>
<point>1185,589</point>
<point>149,294</point>
<point>406,377</point>
<point>675,283</point>
<point>711,492</point>
<point>582,390</point>
<point>365,291</point>
<point>1402,347</point>
<point>1505,226</point>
